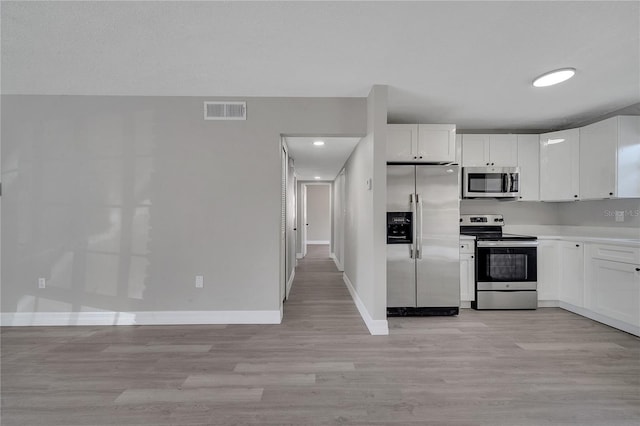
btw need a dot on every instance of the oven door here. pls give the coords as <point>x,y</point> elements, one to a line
<point>506,265</point>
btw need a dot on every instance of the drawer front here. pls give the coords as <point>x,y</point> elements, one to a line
<point>467,247</point>
<point>615,253</point>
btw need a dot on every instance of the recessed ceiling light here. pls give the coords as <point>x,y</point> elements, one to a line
<point>554,77</point>
<point>317,178</point>
<point>318,143</point>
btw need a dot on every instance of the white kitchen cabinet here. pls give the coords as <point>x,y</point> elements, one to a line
<point>613,284</point>
<point>421,143</point>
<point>559,165</point>
<point>548,270</point>
<point>467,271</point>
<point>614,290</point>
<point>402,142</point>
<point>572,273</point>
<point>610,158</point>
<point>529,163</point>
<point>489,150</point>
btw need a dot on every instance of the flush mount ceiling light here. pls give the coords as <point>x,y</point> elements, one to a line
<point>554,141</point>
<point>554,77</point>
<point>318,143</point>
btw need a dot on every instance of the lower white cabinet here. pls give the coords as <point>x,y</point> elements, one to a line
<point>613,284</point>
<point>467,271</point>
<point>614,290</point>
<point>572,273</point>
<point>548,268</point>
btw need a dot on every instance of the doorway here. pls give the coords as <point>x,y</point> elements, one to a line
<point>316,215</point>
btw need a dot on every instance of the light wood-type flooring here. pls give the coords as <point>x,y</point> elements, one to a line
<point>321,367</point>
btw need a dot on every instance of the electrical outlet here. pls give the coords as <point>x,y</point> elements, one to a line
<point>199,281</point>
<point>619,215</point>
<point>42,283</point>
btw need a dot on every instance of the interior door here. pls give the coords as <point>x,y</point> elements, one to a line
<point>438,264</point>
<point>401,266</point>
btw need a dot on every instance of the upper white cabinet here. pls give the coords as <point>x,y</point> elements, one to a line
<point>489,150</point>
<point>422,143</point>
<point>559,165</point>
<point>610,158</point>
<point>529,163</point>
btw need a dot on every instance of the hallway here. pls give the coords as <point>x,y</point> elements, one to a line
<point>319,301</point>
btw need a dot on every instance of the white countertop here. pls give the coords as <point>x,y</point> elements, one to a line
<point>604,235</point>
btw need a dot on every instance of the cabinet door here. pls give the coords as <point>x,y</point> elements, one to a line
<point>503,150</point>
<point>529,163</point>
<point>548,269</point>
<point>402,142</point>
<point>598,146</point>
<point>475,150</point>
<point>628,158</point>
<point>559,165</point>
<point>613,290</point>
<point>467,277</point>
<point>572,273</point>
<point>436,142</point>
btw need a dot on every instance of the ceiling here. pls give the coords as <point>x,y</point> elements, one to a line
<point>468,63</point>
<point>324,161</point>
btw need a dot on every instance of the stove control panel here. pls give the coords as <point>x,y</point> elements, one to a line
<point>481,219</point>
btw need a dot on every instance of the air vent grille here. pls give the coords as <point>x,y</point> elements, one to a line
<point>225,110</point>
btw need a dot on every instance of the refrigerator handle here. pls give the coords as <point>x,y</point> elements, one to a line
<point>413,237</point>
<point>419,228</point>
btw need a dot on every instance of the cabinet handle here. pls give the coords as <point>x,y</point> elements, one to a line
<point>492,164</point>
<point>421,157</point>
<point>487,164</point>
<point>415,158</point>
<point>295,229</point>
<point>575,196</point>
<point>611,193</point>
<point>638,269</point>
<point>577,245</point>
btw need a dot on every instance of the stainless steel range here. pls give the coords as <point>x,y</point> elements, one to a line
<point>506,264</point>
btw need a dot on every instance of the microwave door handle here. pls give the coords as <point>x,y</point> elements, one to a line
<point>505,182</point>
<point>509,182</point>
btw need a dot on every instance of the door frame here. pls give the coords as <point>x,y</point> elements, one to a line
<point>304,186</point>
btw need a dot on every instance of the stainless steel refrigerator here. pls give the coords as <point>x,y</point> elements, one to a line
<point>423,231</point>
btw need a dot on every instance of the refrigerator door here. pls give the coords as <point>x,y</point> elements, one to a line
<point>401,266</point>
<point>438,263</point>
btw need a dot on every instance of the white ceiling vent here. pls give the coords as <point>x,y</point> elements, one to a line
<point>225,110</point>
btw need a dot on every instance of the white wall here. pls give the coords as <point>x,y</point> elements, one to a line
<point>318,214</point>
<point>120,201</point>
<point>600,213</point>
<point>365,256</point>
<point>337,241</point>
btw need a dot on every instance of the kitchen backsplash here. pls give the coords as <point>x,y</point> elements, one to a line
<point>514,212</point>
<point>600,213</point>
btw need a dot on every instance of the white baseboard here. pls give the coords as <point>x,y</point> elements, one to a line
<point>299,255</point>
<point>620,325</point>
<point>376,327</point>
<point>140,318</point>
<point>337,262</point>
<point>318,242</point>
<point>290,283</point>
<point>548,303</point>
<point>465,304</point>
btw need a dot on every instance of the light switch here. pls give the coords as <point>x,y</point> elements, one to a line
<point>199,281</point>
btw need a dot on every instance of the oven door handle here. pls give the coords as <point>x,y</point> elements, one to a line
<point>509,244</point>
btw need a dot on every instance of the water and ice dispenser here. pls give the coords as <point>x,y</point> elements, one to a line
<point>399,228</point>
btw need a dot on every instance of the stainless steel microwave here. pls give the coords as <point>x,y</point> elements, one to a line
<point>491,182</point>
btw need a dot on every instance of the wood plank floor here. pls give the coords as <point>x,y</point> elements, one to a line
<point>321,367</point>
